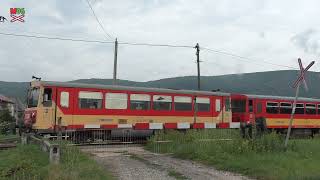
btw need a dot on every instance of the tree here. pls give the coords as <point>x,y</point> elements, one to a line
<point>7,122</point>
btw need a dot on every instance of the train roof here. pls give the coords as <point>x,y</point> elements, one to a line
<point>131,88</point>
<point>282,98</point>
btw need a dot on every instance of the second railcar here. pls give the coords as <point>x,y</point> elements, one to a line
<point>275,112</point>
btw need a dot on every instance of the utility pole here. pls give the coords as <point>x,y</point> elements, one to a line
<point>115,62</point>
<point>198,63</point>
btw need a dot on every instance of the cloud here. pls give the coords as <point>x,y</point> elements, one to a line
<point>309,41</point>
<point>260,30</point>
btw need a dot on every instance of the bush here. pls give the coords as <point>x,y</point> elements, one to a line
<point>263,157</point>
<point>224,140</point>
<point>7,122</point>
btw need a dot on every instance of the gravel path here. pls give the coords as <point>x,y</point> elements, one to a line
<point>135,163</point>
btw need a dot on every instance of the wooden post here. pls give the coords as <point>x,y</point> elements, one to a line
<point>54,154</point>
<point>59,129</point>
<point>195,109</point>
<point>292,115</point>
<point>115,62</point>
<point>198,65</point>
<point>24,139</point>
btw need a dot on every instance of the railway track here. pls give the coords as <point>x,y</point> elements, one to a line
<point>7,146</point>
<point>109,143</point>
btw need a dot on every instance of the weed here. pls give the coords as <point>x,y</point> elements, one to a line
<point>177,175</point>
<point>263,157</point>
<point>29,162</point>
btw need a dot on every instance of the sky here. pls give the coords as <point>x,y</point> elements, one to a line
<point>271,34</point>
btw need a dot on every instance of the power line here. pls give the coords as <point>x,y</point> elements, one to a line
<point>244,58</point>
<point>97,19</point>
<point>55,38</point>
<point>145,44</point>
<point>94,41</point>
<point>150,44</point>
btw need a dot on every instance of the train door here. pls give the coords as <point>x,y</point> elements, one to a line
<point>258,109</point>
<point>258,115</point>
<point>251,109</point>
<point>203,108</point>
<point>239,108</point>
<point>48,107</point>
<point>217,112</point>
<point>226,110</point>
<point>65,105</point>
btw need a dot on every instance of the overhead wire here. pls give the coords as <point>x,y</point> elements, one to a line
<point>94,41</point>
<point>159,45</point>
<point>97,19</point>
<point>55,38</point>
<point>243,58</point>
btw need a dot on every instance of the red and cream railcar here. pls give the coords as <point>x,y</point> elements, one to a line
<point>88,107</point>
<point>276,111</point>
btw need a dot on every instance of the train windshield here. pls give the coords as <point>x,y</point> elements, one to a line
<point>33,97</point>
<point>238,106</point>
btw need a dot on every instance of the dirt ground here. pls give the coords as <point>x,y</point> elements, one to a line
<point>135,163</point>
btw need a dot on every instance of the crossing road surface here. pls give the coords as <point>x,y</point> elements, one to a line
<point>132,162</point>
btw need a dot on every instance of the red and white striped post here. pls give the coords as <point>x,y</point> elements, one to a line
<point>297,86</point>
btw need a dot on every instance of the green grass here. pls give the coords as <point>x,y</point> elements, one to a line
<point>29,162</point>
<point>4,138</point>
<point>262,158</point>
<point>177,175</point>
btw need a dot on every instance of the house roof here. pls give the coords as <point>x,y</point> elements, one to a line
<point>5,99</point>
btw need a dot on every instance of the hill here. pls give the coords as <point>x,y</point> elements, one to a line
<point>265,83</point>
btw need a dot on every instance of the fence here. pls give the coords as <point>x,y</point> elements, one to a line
<point>53,149</point>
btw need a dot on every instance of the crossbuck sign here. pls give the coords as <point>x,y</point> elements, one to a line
<point>296,85</point>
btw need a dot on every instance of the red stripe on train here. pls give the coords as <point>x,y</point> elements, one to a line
<point>75,126</point>
<point>198,126</point>
<point>170,126</point>
<point>141,126</point>
<point>223,125</point>
<point>108,126</point>
<point>294,126</point>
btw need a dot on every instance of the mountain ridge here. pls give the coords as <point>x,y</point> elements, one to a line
<point>262,83</point>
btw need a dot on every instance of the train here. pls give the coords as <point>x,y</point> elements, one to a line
<point>87,108</point>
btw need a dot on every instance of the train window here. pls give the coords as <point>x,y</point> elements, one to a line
<point>227,104</point>
<point>311,109</point>
<point>318,108</point>
<point>140,102</point>
<point>116,101</point>
<point>162,103</point>
<point>182,103</point>
<point>203,104</point>
<point>238,106</point>
<point>218,105</point>
<point>90,100</point>
<point>272,107</point>
<point>64,99</point>
<point>33,97</point>
<point>299,108</point>
<point>47,97</point>
<point>285,108</point>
